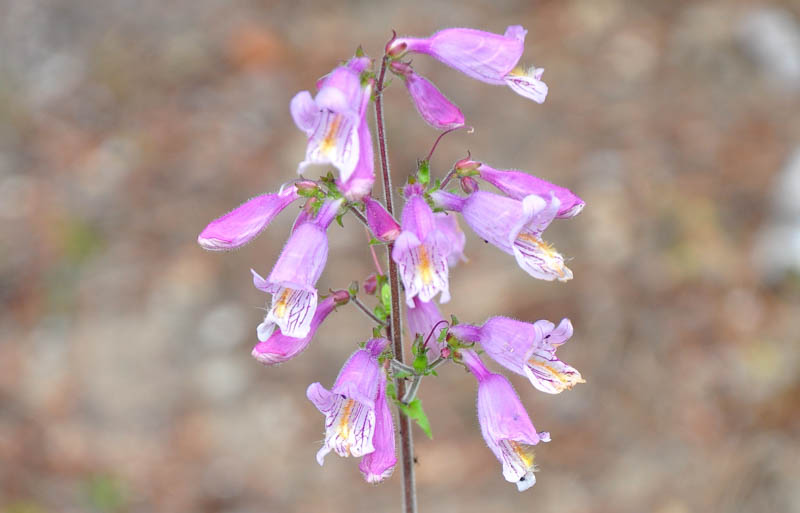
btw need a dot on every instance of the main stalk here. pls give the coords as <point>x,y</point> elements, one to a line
<point>395,329</point>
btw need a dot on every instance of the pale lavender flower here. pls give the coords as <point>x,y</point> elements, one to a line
<point>426,320</point>
<point>350,406</point>
<point>513,226</point>
<point>518,184</point>
<point>379,464</point>
<point>360,182</point>
<point>448,225</point>
<point>278,348</point>
<point>432,105</point>
<point>295,274</point>
<point>381,223</point>
<point>242,224</point>
<point>505,425</point>
<point>332,119</point>
<point>527,349</point>
<point>484,56</point>
<point>421,251</point>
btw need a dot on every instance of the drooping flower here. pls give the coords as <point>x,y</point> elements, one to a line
<point>278,348</point>
<point>421,251</point>
<point>527,349</point>
<point>513,226</point>
<point>518,184</point>
<point>379,464</point>
<point>381,223</point>
<point>505,425</point>
<point>432,105</point>
<point>425,319</point>
<point>484,56</point>
<point>333,119</point>
<point>350,406</point>
<point>295,274</point>
<point>448,225</point>
<point>242,224</point>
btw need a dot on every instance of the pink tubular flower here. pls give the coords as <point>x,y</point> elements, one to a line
<point>421,251</point>
<point>295,274</point>
<point>425,319</point>
<point>484,56</point>
<point>518,184</point>
<point>527,349</point>
<point>333,120</point>
<point>432,105</point>
<point>278,348</point>
<point>381,223</point>
<point>448,225</point>
<point>513,226</point>
<point>505,425</point>
<point>350,406</point>
<point>242,224</point>
<point>379,464</point>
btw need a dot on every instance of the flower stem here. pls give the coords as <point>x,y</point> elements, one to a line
<point>361,306</point>
<point>395,331</point>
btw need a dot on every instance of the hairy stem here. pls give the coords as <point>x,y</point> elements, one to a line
<point>361,306</point>
<point>395,331</point>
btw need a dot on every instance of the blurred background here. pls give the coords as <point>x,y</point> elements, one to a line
<point>126,382</point>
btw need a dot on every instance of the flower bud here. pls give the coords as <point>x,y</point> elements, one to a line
<point>381,222</point>
<point>466,166</point>
<point>396,49</point>
<point>468,184</point>
<point>340,297</point>
<point>370,284</point>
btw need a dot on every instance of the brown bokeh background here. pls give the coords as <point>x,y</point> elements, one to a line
<point>126,383</point>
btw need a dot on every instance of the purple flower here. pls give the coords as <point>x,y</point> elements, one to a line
<point>278,348</point>
<point>432,105</point>
<point>333,119</point>
<point>379,464</point>
<point>484,56</point>
<point>381,223</point>
<point>518,184</point>
<point>350,406</point>
<point>424,319</point>
<point>505,425</point>
<point>421,251</point>
<point>513,226</point>
<point>243,223</point>
<point>360,182</point>
<point>295,274</point>
<point>448,225</point>
<point>527,349</point>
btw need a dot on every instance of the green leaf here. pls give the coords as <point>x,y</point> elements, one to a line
<point>415,412</point>
<point>386,297</point>
<point>380,313</point>
<point>376,332</point>
<point>420,362</point>
<point>374,242</point>
<point>339,220</point>
<point>424,172</point>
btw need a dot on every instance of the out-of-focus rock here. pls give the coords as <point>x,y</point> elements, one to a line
<point>777,250</point>
<point>771,36</point>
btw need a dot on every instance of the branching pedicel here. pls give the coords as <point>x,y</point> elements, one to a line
<point>422,248</point>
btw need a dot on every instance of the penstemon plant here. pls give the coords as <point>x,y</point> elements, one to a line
<point>421,248</point>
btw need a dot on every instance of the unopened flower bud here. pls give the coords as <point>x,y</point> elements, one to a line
<point>305,185</point>
<point>396,49</point>
<point>340,297</point>
<point>466,166</point>
<point>400,68</point>
<point>468,184</point>
<point>381,222</point>
<point>446,352</point>
<point>370,284</point>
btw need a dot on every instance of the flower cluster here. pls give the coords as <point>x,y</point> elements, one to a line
<point>422,247</point>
